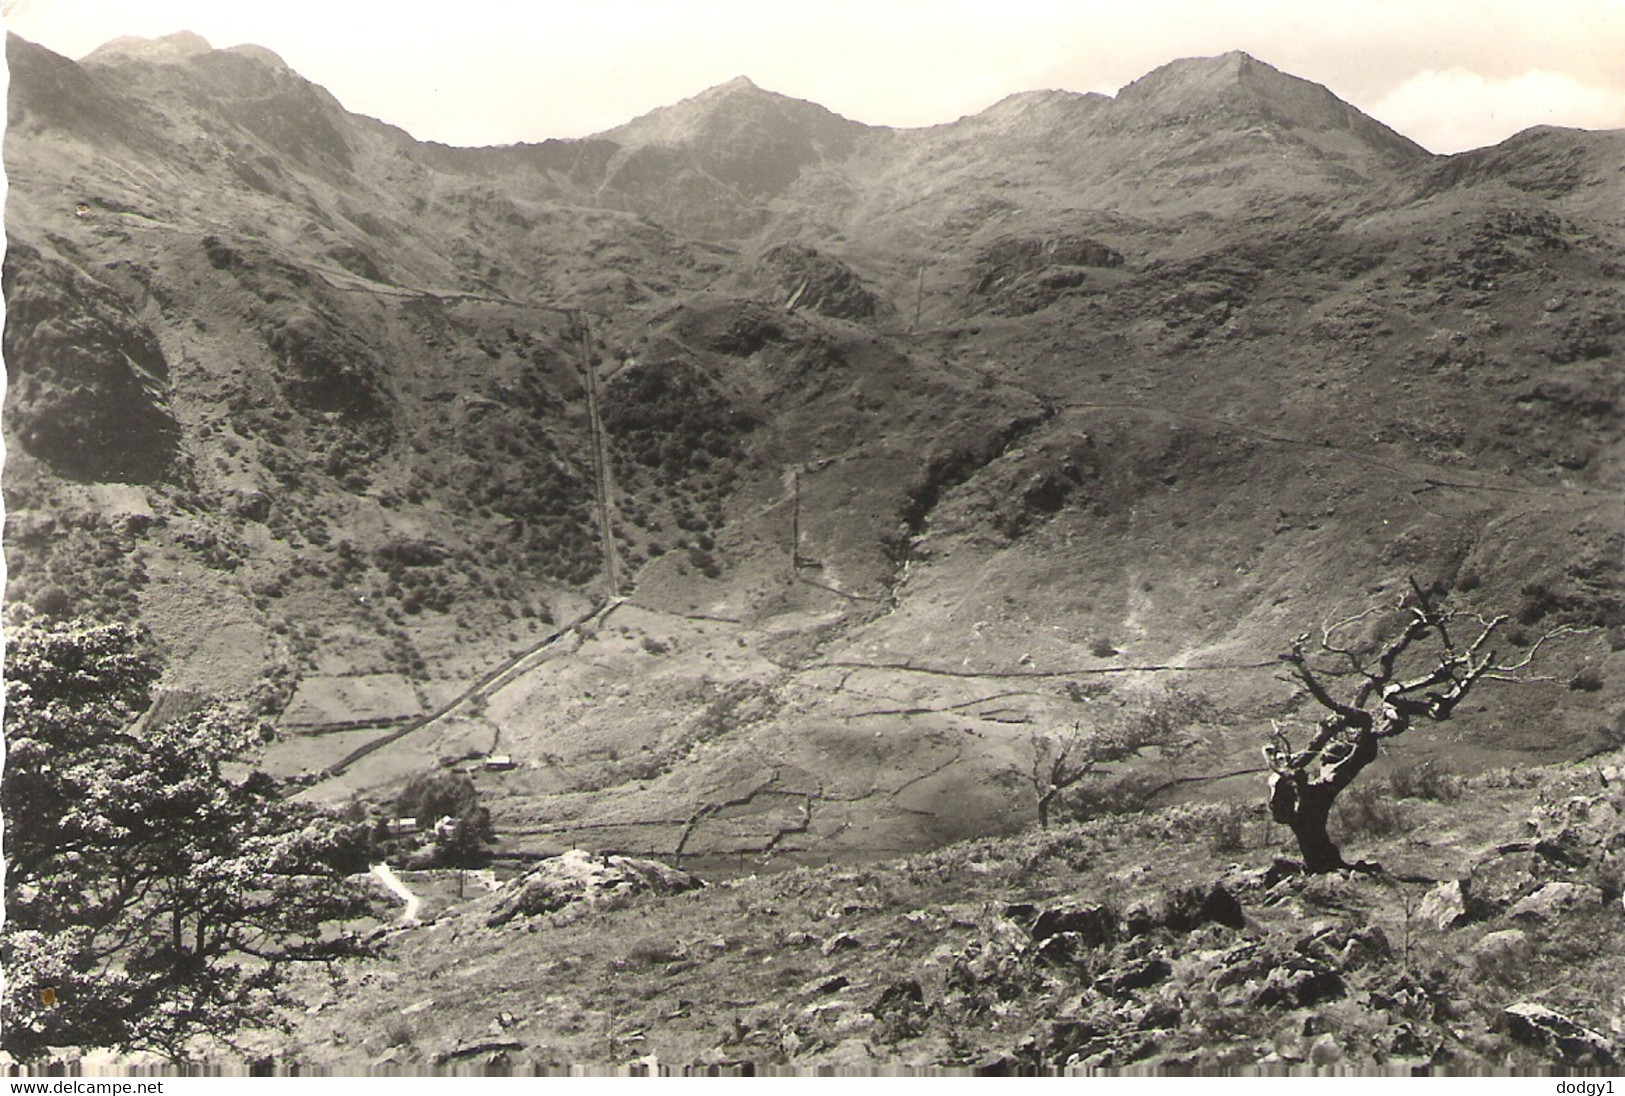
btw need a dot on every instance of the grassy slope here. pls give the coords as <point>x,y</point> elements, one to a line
<point>785,969</point>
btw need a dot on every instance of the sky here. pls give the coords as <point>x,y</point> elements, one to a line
<point>1450,74</point>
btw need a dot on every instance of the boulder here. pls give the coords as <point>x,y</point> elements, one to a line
<point>823,984</point>
<point>1326,1051</point>
<point>1299,986</point>
<point>1557,1035</point>
<point>1137,976</point>
<point>1555,899</point>
<point>1403,1040</point>
<point>1508,949</point>
<point>1245,962</point>
<point>1092,924</point>
<point>841,941</point>
<point>900,1011</point>
<point>1346,946</point>
<point>1445,906</point>
<point>1193,907</point>
<point>1583,829</point>
<point>904,995</point>
<point>1186,909</point>
<point>1498,880</point>
<point>588,879</point>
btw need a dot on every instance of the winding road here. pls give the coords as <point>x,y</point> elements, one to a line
<point>392,883</point>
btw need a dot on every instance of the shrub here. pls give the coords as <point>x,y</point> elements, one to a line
<point>1429,780</point>
<point>1587,680</point>
<point>1369,810</point>
<point>1229,830</point>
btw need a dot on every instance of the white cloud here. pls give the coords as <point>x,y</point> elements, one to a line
<point>1457,109</point>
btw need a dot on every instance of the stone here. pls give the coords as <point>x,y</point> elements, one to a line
<point>251,505</point>
<point>1511,945</point>
<point>902,995</point>
<point>1215,906</point>
<point>1136,976</point>
<point>1345,946</point>
<point>1240,964</point>
<point>1092,924</point>
<point>1403,1040</point>
<point>1186,909</point>
<point>1500,879</point>
<point>1555,1034</point>
<point>1445,906</point>
<point>1555,899</point>
<point>1022,913</point>
<point>900,1011</point>
<point>824,984</point>
<point>464,1051</point>
<point>1281,869</point>
<point>1325,1051</point>
<point>841,941</point>
<point>1581,830</point>
<point>1298,987</point>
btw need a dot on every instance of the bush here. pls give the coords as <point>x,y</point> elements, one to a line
<point>1586,680</point>
<point>1429,780</point>
<point>1369,810</point>
<point>1229,830</point>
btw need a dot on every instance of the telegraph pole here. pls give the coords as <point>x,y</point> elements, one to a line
<point>795,521</point>
<point>919,296</point>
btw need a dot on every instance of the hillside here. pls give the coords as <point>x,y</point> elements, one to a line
<point>1168,942</point>
<point>914,446</point>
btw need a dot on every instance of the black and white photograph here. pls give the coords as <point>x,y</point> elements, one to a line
<point>932,538</point>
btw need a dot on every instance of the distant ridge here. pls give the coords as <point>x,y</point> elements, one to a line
<point>169,49</point>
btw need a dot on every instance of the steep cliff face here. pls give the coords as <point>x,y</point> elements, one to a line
<point>86,379</point>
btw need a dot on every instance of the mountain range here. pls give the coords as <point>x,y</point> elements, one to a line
<point>763,484</point>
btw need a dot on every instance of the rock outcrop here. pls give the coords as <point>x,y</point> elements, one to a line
<point>1558,1035</point>
<point>579,878</point>
<point>807,278</point>
<point>1022,274</point>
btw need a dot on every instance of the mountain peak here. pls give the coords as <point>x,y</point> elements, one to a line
<point>258,53</point>
<point>1195,79</point>
<point>737,104</point>
<point>1239,87</point>
<point>168,50</point>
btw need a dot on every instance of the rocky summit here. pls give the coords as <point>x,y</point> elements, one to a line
<point>748,486</point>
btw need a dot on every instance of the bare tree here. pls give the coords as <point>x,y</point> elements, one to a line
<point>1060,762</point>
<point>1422,672</point>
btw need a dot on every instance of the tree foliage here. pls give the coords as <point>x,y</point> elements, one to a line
<point>430,797</point>
<point>149,896</point>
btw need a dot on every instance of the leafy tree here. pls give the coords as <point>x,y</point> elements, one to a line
<point>1421,671</point>
<point>149,896</point>
<point>430,797</point>
<point>434,795</point>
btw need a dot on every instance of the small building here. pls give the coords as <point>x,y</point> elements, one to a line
<point>401,826</point>
<point>500,763</point>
